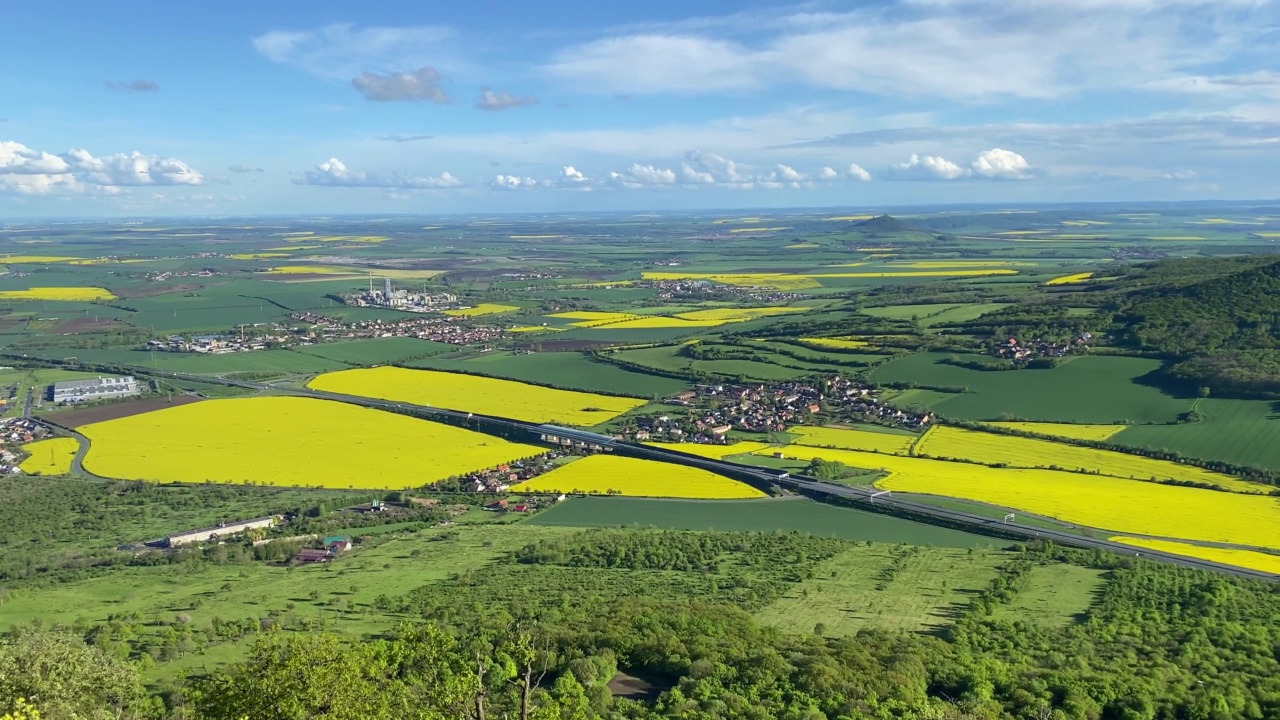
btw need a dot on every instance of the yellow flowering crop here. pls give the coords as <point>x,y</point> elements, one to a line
<point>1070,279</point>
<point>836,343</point>
<point>993,449</point>
<point>717,452</point>
<point>470,393</point>
<point>482,309</point>
<point>778,281</point>
<point>729,314</point>
<point>35,259</point>
<point>1125,506</point>
<point>51,457</point>
<point>1251,559</point>
<point>290,441</point>
<point>917,273</point>
<point>657,321</point>
<point>853,439</point>
<point>66,294</point>
<point>1066,430</point>
<point>258,256</point>
<point>644,478</point>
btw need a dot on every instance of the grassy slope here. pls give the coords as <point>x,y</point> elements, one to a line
<point>1056,595</point>
<point>1237,431</point>
<point>1083,390</point>
<point>563,369</point>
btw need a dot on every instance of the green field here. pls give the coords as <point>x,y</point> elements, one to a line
<point>376,351</point>
<point>885,586</point>
<point>1096,389</point>
<point>279,362</point>
<point>571,370</point>
<point>1056,595</point>
<point>754,515</point>
<point>1243,432</point>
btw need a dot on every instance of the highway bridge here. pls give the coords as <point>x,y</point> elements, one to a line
<point>891,503</point>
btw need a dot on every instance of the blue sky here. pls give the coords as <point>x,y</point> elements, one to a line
<point>138,108</point>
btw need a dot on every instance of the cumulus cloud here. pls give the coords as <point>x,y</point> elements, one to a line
<point>35,172</point>
<point>642,176</point>
<point>701,167</point>
<point>419,85</point>
<point>16,158</point>
<point>929,167</point>
<point>572,175</point>
<point>244,169</point>
<point>1001,164</point>
<point>856,172</point>
<point>513,182</point>
<point>136,86</point>
<point>335,173</point>
<point>499,101</point>
<point>828,173</point>
<point>788,173</point>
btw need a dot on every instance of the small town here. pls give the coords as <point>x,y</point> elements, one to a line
<point>388,296</point>
<point>715,410</point>
<point>1022,352</point>
<point>445,329</point>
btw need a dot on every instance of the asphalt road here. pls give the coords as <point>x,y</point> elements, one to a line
<point>794,482</point>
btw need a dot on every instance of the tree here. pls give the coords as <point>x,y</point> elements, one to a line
<point>65,678</point>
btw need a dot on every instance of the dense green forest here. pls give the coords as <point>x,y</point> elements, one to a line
<point>1157,642</point>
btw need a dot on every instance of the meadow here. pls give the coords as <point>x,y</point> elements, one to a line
<point>1242,432</point>
<point>607,474</point>
<point>286,441</point>
<point>897,443</point>
<point>568,370</point>
<point>50,457</point>
<point>764,515</point>
<point>1023,452</point>
<point>900,587</point>
<point>469,393</point>
<point>1091,390</point>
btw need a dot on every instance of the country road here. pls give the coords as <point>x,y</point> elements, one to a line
<point>893,501</point>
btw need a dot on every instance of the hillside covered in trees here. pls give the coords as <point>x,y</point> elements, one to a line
<point>1223,332</point>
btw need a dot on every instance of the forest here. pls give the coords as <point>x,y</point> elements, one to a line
<point>1157,642</point>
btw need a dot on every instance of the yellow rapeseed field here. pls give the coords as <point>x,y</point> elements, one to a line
<point>534,328</point>
<point>717,452</point>
<point>1070,279</point>
<point>1187,238</point>
<point>68,294</point>
<point>592,318</point>
<point>918,273</point>
<point>310,270</point>
<point>470,393</point>
<point>944,264</point>
<point>259,256</point>
<point>482,309</point>
<point>312,237</point>
<point>290,441</point>
<point>854,439</point>
<point>1100,501</point>
<point>1067,430</point>
<point>1251,559</point>
<point>643,478</point>
<point>35,259</point>
<point>657,321</point>
<point>1084,223</point>
<point>994,449</point>
<point>50,457</point>
<point>801,246</point>
<point>836,343</point>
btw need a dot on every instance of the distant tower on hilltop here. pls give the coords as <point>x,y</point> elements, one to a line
<point>387,287</point>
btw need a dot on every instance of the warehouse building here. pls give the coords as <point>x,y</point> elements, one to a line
<point>220,531</point>
<point>99,388</point>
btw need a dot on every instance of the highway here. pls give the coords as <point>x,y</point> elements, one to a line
<point>883,501</point>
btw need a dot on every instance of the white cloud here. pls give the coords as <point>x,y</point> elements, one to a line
<point>497,102</point>
<point>342,51</point>
<point>514,182</point>
<point>1001,164</point>
<point>701,167</point>
<point>857,172</point>
<point>959,49</point>
<point>642,176</point>
<point>788,173</point>
<point>828,173</point>
<point>572,175</point>
<point>335,173</point>
<point>33,172</point>
<point>16,158</point>
<point>929,167</point>
<point>421,84</point>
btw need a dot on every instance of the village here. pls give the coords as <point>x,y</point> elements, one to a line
<point>1022,352</point>
<point>15,432</point>
<point>715,410</point>
<point>445,329</point>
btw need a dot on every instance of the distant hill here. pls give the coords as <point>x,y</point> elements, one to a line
<point>883,225</point>
<point>1226,329</point>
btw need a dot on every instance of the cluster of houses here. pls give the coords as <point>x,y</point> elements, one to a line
<point>170,274</point>
<point>703,289</point>
<point>387,296</point>
<point>333,547</point>
<point>715,410</point>
<point>446,329</point>
<point>14,432</point>
<point>530,505</point>
<point>500,478</point>
<point>223,343</point>
<point>1020,352</point>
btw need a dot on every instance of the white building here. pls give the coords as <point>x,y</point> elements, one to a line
<point>78,391</point>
